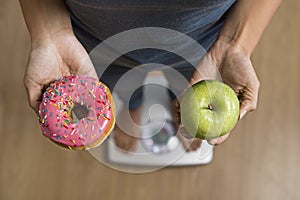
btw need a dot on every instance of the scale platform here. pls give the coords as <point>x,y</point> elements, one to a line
<point>158,145</point>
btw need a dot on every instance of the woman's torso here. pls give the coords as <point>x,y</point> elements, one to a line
<point>96,20</point>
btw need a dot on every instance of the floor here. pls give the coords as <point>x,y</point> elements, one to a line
<point>260,161</point>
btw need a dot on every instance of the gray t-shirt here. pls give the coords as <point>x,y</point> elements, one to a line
<point>96,20</point>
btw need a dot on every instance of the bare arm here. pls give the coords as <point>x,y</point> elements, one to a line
<point>45,17</point>
<point>231,52</point>
<point>55,51</point>
<point>246,22</point>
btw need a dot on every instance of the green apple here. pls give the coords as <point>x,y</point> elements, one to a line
<point>209,109</point>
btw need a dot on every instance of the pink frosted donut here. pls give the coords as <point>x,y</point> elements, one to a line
<point>77,112</point>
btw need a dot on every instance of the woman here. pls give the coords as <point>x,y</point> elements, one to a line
<point>228,29</point>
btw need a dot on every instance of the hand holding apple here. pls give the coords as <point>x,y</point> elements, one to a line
<point>230,64</point>
<point>209,109</point>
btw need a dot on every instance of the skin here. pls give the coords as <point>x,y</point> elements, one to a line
<point>231,53</point>
<point>56,52</point>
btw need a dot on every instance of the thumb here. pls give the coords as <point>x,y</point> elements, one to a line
<point>249,98</point>
<point>207,69</point>
<point>81,63</point>
<point>34,94</point>
<point>196,77</point>
<point>247,106</point>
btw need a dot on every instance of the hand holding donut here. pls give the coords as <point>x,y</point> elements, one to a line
<point>77,112</point>
<point>57,55</point>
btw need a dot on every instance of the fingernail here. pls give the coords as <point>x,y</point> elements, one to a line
<point>213,141</point>
<point>243,113</point>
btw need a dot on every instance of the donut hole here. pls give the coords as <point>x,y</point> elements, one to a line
<point>79,111</point>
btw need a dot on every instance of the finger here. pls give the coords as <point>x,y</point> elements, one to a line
<point>176,112</point>
<point>243,112</point>
<point>189,142</point>
<point>219,140</point>
<point>195,144</point>
<point>176,118</point>
<point>207,69</point>
<point>184,133</point>
<point>247,106</point>
<point>249,99</point>
<point>223,138</point>
<point>175,105</point>
<point>81,63</point>
<point>196,77</point>
<point>34,94</point>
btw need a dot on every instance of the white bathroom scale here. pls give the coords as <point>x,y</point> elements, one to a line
<point>159,145</point>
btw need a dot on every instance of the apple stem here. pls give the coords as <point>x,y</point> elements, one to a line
<point>210,107</point>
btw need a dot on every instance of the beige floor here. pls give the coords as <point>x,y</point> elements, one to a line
<point>260,161</point>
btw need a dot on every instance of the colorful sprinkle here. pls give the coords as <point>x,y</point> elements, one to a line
<point>92,137</point>
<point>62,96</point>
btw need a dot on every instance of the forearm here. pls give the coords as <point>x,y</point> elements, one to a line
<point>44,17</point>
<point>246,22</point>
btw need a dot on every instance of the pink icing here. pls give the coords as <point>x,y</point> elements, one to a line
<point>59,99</point>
